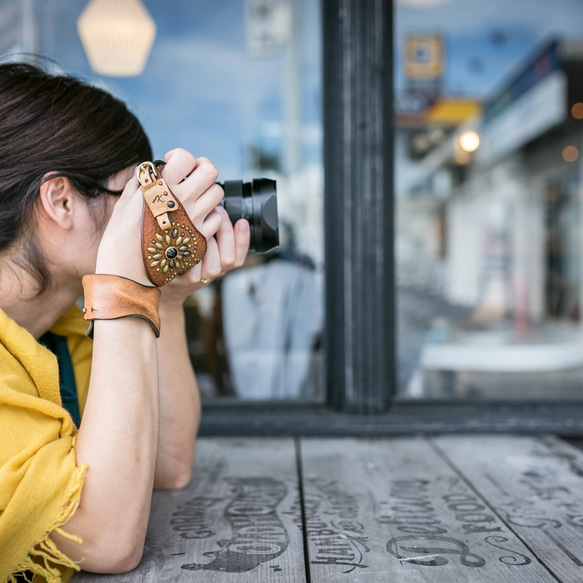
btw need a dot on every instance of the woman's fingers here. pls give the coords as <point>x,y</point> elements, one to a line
<point>179,164</point>
<point>211,264</point>
<point>242,240</point>
<point>126,217</point>
<point>206,202</point>
<point>212,224</point>
<point>187,176</point>
<point>131,195</point>
<point>192,180</point>
<point>197,182</point>
<point>225,237</point>
<point>209,268</point>
<point>227,249</point>
<point>130,188</point>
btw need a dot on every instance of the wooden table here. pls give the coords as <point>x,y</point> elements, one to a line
<point>492,508</point>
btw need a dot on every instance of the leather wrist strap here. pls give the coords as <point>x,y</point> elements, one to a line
<point>171,244</point>
<point>109,297</point>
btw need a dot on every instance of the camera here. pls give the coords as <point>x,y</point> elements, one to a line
<point>255,201</point>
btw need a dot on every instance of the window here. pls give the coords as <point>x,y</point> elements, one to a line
<point>488,188</point>
<point>400,215</point>
<point>240,83</point>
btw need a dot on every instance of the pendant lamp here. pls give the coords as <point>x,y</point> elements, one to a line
<point>117,36</point>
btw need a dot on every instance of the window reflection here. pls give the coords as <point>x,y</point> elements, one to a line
<point>488,198</point>
<point>237,81</point>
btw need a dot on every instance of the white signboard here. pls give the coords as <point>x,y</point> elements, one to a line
<point>268,26</point>
<point>535,112</point>
<point>10,26</point>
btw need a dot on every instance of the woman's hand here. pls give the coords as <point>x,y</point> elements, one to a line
<point>227,245</point>
<point>120,249</point>
<point>192,180</point>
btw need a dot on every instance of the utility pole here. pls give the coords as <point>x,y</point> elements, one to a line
<point>292,92</point>
<point>29,36</point>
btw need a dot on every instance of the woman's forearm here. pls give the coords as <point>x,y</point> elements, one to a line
<point>118,441</point>
<point>179,402</point>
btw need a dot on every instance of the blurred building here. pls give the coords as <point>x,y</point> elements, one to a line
<point>488,201</point>
<point>497,195</point>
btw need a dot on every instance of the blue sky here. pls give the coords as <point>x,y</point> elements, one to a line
<point>485,40</point>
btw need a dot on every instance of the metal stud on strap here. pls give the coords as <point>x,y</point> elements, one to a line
<point>171,244</point>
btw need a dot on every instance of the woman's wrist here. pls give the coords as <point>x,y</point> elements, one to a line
<point>171,311</point>
<point>113,261</point>
<point>109,268</point>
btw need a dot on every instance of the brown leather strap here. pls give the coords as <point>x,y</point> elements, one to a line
<point>171,244</point>
<point>109,297</point>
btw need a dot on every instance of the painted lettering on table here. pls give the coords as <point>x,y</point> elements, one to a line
<point>547,504</point>
<point>526,514</point>
<point>549,448</point>
<point>258,533</point>
<point>189,519</point>
<point>541,481</point>
<point>423,542</point>
<point>515,558</point>
<point>343,542</point>
<point>330,519</point>
<point>426,540</point>
<point>431,550</point>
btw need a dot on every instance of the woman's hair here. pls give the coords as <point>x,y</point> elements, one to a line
<point>59,125</point>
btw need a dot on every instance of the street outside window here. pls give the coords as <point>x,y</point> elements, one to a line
<point>488,190</point>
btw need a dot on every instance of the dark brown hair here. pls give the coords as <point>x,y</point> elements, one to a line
<point>60,125</point>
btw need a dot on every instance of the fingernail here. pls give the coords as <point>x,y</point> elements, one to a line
<point>222,212</point>
<point>243,226</point>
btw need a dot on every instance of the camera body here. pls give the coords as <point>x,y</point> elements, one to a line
<point>255,201</point>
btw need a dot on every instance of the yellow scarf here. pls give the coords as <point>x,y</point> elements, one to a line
<point>40,483</point>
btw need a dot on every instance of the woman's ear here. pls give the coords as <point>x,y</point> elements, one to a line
<point>57,201</point>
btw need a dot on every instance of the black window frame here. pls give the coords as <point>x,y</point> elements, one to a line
<point>360,334</point>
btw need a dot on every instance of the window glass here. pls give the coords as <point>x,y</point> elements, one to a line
<point>489,120</point>
<point>237,81</point>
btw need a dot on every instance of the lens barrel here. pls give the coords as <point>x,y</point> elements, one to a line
<point>255,201</point>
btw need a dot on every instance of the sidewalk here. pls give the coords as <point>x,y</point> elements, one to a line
<point>441,356</point>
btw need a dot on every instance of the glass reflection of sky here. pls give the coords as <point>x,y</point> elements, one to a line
<point>485,40</point>
<point>199,90</point>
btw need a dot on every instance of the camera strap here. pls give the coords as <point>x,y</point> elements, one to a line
<point>171,244</point>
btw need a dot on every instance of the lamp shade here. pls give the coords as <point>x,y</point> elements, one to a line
<point>117,36</point>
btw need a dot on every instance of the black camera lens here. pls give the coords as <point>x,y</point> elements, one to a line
<point>255,201</point>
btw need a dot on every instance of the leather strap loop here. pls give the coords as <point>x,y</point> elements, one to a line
<point>109,297</point>
<point>171,244</point>
<point>157,194</point>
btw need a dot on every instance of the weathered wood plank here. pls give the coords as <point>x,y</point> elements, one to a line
<point>536,486</point>
<point>389,510</point>
<point>237,520</point>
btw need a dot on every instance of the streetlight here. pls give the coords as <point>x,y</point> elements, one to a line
<point>469,141</point>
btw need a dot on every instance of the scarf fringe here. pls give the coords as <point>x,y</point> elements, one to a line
<point>45,559</point>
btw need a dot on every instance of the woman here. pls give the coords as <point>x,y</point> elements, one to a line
<point>77,494</point>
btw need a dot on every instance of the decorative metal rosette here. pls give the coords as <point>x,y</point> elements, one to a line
<point>173,252</point>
